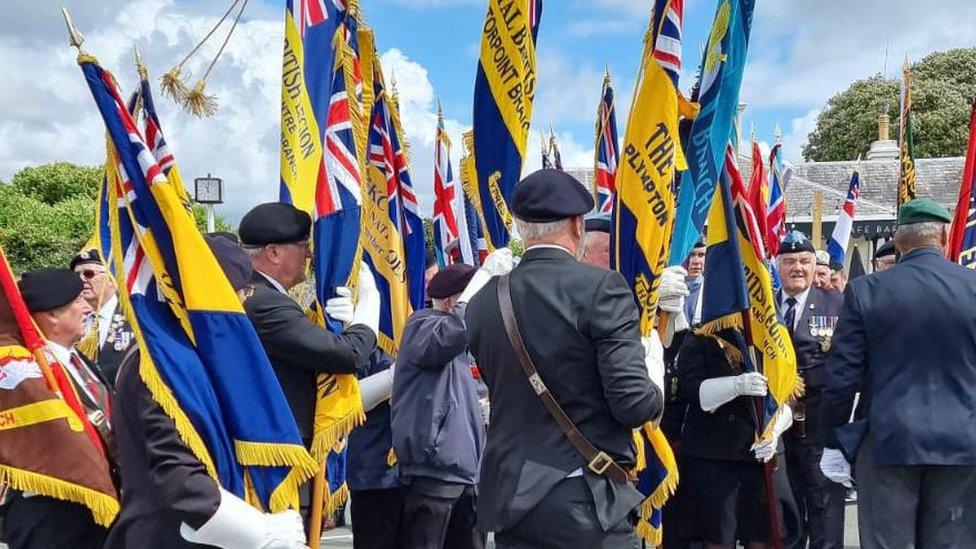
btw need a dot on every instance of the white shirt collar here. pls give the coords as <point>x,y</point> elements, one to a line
<point>273,282</point>
<point>63,356</point>
<point>801,301</point>
<point>553,246</point>
<point>105,317</point>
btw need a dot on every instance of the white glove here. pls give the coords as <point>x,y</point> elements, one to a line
<point>673,290</point>
<point>677,322</point>
<point>340,307</point>
<point>498,263</point>
<point>766,449</point>
<point>715,392</point>
<point>367,311</point>
<point>374,389</point>
<point>835,466</point>
<point>237,525</point>
<point>654,359</point>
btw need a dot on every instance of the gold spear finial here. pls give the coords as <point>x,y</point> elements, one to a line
<point>755,132</point>
<point>140,68</point>
<point>778,134</point>
<point>75,38</point>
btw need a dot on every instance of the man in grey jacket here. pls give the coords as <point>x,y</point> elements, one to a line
<point>438,430</point>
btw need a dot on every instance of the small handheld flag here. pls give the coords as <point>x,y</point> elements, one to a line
<point>839,239</point>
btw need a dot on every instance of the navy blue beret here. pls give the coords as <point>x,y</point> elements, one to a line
<point>598,222</point>
<point>274,223</point>
<point>886,249</point>
<point>85,257</point>
<point>450,280</point>
<point>233,260</point>
<point>48,289</point>
<point>550,195</point>
<point>796,242</point>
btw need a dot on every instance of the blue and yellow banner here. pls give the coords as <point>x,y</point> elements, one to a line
<point>720,78</point>
<point>200,356</point>
<point>739,287</point>
<point>504,90</point>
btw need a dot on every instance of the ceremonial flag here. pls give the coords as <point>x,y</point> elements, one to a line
<point>776,213</point>
<point>471,239</point>
<point>200,357</point>
<point>837,243</point>
<point>387,225</point>
<point>644,211</point>
<point>557,159</point>
<point>503,93</point>
<point>446,231</point>
<point>40,411</point>
<point>906,140</point>
<point>721,75</point>
<point>153,132</point>
<point>738,281</point>
<point>759,199</point>
<point>962,242</point>
<point>605,171</point>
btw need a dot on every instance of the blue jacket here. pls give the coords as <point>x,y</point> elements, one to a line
<point>909,335</point>
<point>367,467</point>
<point>438,431</point>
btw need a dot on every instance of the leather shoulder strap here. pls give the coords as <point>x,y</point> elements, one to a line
<point>597,460</point>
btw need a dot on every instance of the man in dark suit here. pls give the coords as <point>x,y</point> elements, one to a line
<point>109,336</point>
<point>169,501</point>
<point>810,314</point>
<point>579,326</point>
<point>276,236</point>
<point>907,339</point>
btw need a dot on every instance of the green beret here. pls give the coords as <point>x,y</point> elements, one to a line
<point>922,210</point>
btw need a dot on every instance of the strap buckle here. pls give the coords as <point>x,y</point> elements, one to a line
<point>600,463</point>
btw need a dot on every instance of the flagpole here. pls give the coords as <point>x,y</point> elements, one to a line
<point>318,505</point>
<point>772,501</point>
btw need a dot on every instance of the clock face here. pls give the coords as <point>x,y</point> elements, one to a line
<point>208,191</point>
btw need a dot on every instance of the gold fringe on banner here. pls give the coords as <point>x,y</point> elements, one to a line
<point>104,507</point>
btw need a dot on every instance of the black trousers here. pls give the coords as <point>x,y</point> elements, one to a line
<point>439,517</point>
<point>809,487</point>
<point>40,522</point>
<point>376,518</point>
<point>567,518</point>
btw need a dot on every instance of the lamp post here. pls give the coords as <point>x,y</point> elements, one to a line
<point>209,191</point>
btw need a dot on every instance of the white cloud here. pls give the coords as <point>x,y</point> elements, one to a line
<point>47,113</point>
<point>796,136</point>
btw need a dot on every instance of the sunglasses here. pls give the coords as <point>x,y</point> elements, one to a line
<point>89,274</point>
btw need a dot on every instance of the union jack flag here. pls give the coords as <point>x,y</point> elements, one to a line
<point>606,149</point>
<point>776,214</point>
<point>386,154</point>
<point>445,191</point>
<point>314,12</point>
<point>667,48</point>
<point>339,167</point>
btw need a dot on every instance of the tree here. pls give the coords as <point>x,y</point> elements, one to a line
<point>943,85</point>
<point>47,214</point>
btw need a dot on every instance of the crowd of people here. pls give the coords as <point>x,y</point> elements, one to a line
<point>511,404</point>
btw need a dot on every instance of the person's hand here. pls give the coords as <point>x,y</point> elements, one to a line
<point>751,384</point>
<point>367,310</point>
<point>285,531</point>
<point>764,450</point>
<point>340,307</point>
<point>835,466</point>
<point>498,263</point>
<point>236,525</point>
<point>654,358</point>
<point>673,289</point>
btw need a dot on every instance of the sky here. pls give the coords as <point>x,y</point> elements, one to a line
<point>801,53</point>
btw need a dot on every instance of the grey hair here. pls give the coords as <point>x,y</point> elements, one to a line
<point>253,251</point>
<point>533,231</point>
<point>918,235</point>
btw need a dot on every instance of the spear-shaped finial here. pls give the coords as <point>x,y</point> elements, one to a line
<point>778,134</point>
<point>755,132</point>
<point>75,38</point>
<point>140,68</point>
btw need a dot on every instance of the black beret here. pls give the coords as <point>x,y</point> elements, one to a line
<point>233,260</point>
<point>274,223</point>
<point>550,195</point>
<point>85,257</point>
<point>835,267</point>
<point>796,242</point>
<point>450,280</point>
<point>47,289</point>
<point>886,249</point>
<point>229,236</point>
<point>599,222</point>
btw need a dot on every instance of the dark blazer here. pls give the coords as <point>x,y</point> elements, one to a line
<point>729,431</point>
<point>299,349</point>
<point>811,355</point>
<point>909,333</point>
<point>41,522</point>
<point>163,483</point>
<point>120,339</point>
<point>367,467</point>
<point>580,327</point>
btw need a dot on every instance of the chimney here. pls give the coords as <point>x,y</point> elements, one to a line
<point>884,148</point>
<point>884,127</point>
